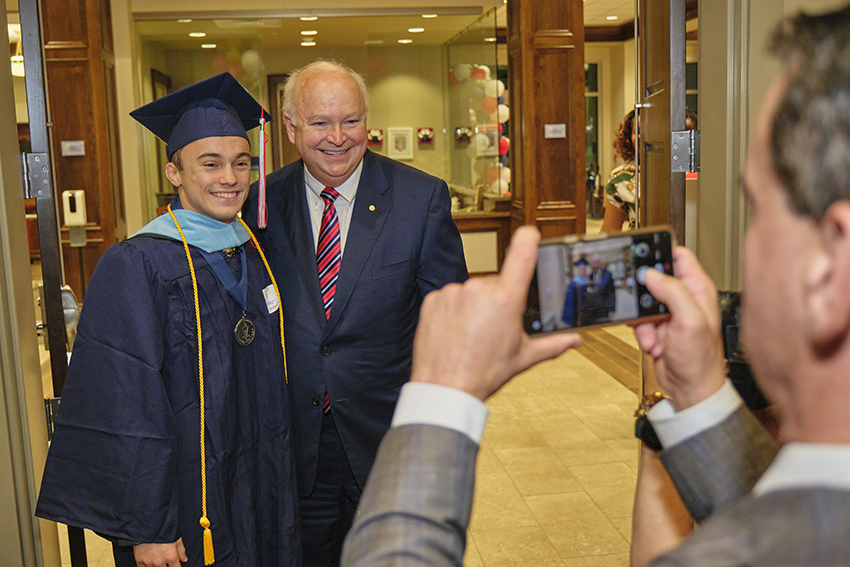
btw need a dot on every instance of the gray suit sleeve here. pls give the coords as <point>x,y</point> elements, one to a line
<point>417,502</point>
<point>721,464</point>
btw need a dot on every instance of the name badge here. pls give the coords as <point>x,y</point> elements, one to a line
<point>272,302</point>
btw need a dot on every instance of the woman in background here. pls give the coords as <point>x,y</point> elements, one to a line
<point>620,195</point>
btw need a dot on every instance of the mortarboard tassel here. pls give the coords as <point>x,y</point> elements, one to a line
<point>262,211</point>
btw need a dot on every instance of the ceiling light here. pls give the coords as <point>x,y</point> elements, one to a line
<point>309,32</point>
<point>490,39</point>
<point>373,41</point>
<point>611,18</point>
<point>308,18</point>
<point>405,41</point>
<point>429,15</point>
<point>184,21</point>
<point>415,30</point>
<point>308,43</point>
<point>197,34</point>
<point>208,46</point>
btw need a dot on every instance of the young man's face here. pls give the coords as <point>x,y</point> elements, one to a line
<point>581,270</point>
<point>329,128</point>
<point>215,176</point>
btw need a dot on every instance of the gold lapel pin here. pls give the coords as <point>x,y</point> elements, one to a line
<point>371,207</point>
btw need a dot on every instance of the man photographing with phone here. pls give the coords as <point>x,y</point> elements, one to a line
<point>755,509</point>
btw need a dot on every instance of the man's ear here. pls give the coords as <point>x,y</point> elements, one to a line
<point>828,281</point>
<point>290,127</point>
<point>173,175</point>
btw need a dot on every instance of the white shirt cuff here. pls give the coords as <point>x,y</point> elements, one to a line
<point>430,404</point>
<point>673,427</point>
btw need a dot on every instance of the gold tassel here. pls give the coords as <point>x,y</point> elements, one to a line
<point>209,554</point>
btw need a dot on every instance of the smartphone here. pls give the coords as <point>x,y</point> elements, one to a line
<point>586,281</point>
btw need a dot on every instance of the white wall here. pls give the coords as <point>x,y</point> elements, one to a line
<point>628,75</point>
<point>609,59</point>
<point>410,94</point>
<point>128,87</point>
<point>735,73</point>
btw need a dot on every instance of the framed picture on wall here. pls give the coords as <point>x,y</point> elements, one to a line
<point>400,143</point>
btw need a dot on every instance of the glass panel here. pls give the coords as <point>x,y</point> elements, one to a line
<point>590,81</point>
<point>591,160</point>
<point>691,75</point>
<point>591,133</point>
<point>477,103</point>
<point>691,103</point>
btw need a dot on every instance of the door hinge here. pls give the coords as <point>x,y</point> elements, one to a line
<point>684,151</point>
<point>51,406</point>
<point>36,175</point>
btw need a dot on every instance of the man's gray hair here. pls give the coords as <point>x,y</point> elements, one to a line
<point>810,137</point>
<point>290,89</point>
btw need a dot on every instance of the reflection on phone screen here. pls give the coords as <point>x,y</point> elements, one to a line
<point>597,282</point>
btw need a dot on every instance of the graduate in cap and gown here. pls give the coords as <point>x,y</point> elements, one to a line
<point>179,450</point>
<point>576,295</point>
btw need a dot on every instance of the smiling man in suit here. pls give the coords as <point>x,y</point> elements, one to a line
<point>356,241</point>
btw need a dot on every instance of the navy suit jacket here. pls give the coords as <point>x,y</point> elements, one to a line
<point>402,243</point>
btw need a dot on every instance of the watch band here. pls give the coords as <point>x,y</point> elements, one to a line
<point>643,428</point>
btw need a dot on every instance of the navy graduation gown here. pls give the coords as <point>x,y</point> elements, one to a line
<point>125,457</point>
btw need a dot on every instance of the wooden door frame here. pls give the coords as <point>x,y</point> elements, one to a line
<point>670,208</point>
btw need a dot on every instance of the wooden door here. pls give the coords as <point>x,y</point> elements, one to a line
<point>660,46</point>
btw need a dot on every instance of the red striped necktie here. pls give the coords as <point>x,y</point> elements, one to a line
<point>327,259</point>
<point>328,250</point>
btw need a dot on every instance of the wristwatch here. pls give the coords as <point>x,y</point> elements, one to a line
<point>643,428</point>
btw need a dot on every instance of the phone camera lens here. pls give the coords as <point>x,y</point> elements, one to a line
<point>640,275</point>
<point>646,301</point>
<point>641,249</point>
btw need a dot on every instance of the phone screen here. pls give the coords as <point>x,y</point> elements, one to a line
<point>597,280</point>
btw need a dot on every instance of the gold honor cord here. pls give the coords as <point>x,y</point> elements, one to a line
<point>209,553</point>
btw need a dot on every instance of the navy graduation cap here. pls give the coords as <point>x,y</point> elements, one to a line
<point>215,107</point>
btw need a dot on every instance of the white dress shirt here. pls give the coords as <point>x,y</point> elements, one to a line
<point>344,204</point>
<point>673,427</point>
<point>430,404</point>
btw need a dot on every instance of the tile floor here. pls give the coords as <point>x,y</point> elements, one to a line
<point>557,470</point>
